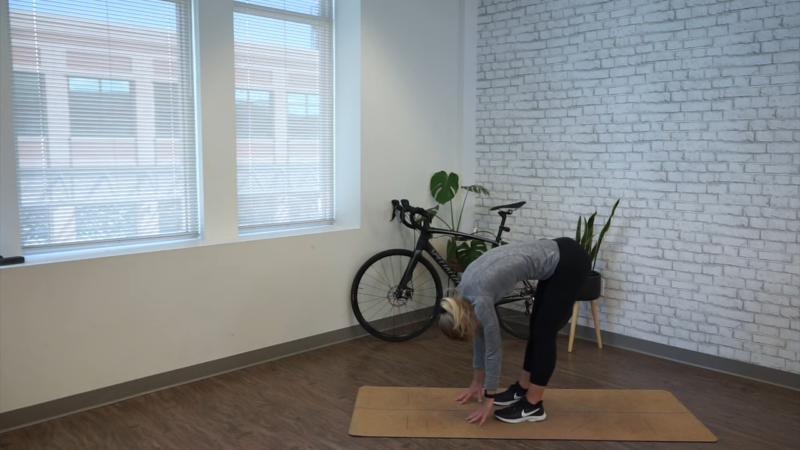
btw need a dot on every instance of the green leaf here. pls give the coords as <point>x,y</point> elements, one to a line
<point>583,234</point>
<point>589,234</point>
<point>591,221</point>
<point>444,187</point>
<point>596,249</point>
<point>588,245</point>
<point>578,233</point>
<point>468,252</point>
<point>476,189</point>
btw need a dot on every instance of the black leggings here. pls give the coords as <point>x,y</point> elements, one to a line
<point>552,309</point>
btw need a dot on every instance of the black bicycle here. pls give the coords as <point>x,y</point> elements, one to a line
<point>395,295</point>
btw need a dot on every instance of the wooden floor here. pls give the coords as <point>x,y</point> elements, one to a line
<point>305,402</point>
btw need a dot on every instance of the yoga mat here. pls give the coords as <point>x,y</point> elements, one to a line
<point>572,414</point>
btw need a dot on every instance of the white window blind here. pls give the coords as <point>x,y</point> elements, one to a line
<point>104,121</point>
<point>284,112</point>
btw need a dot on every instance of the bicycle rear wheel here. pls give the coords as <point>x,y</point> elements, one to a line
<point>513,313</point>
<point>386,313</point>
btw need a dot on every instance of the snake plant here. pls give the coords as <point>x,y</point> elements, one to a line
<point>586,238</point>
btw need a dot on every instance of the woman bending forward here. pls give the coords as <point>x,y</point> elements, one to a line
<point>561,266</point>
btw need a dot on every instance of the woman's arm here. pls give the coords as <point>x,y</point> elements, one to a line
<point>478,351</point>
<point>492,357</point>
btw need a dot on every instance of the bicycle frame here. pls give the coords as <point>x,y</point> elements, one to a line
<point>424,245</point>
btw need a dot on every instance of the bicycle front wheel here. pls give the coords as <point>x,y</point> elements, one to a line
<point>382,309</point>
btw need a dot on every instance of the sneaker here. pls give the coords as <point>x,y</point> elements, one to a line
<point>514,394</point>
<point>522,412</point>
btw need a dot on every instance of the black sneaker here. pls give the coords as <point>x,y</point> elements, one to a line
<point>522,412</point>
<point>514,394</point>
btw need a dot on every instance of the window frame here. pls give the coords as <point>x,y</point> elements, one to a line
<point>68,79</point>
<point>325,19</point>
<point>213,85</point>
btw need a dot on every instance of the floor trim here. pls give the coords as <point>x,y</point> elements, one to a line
<point>711,362</point>
<point>104,396</point>
<point>43,412</point>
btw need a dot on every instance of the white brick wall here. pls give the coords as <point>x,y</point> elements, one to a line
<point>687,110</point>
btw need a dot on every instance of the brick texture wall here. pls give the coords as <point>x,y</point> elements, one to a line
<point>688,111</point>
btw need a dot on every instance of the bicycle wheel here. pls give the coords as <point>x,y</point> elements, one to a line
<point>386,313</point>
<point>513,313</point>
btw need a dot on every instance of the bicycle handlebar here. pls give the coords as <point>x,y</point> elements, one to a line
<point>403,207</point>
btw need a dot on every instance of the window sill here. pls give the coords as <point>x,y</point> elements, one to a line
<point>84,254</point>
<point>295,231</point>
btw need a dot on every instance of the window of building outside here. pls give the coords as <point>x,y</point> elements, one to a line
<point>254,116</point>
<point>99,107</point>
<point>304,116</point>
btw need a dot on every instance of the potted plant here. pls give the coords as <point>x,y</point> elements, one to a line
<point>593,286</point>
<point>461,252</point>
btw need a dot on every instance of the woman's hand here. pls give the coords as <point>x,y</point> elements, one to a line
<point>475,389</point>
<point>482,413</point>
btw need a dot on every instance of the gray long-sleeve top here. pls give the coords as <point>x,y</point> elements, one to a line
<point>491,277</point>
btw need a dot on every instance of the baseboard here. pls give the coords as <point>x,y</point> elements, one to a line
<point>711,362</point>
<point>42,412</point>
<point>100,397</point>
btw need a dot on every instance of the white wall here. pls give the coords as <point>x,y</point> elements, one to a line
<point>72,327</point>
<point>687,111</point>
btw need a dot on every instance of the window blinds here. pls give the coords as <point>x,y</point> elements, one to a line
<point>284,112</point>
<point>104,121</point>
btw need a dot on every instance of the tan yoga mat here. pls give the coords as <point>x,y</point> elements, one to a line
<point>572,414</point>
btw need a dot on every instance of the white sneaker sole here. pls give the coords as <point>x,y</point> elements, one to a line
<point>524,419</point>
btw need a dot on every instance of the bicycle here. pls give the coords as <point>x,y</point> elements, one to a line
<point>401,307</point>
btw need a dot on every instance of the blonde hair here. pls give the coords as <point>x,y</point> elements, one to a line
<point>457,318</point>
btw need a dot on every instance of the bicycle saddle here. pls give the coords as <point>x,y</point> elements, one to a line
<point>517,205</point>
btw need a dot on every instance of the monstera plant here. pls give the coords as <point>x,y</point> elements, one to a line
<point>585,236</point>
<point>445,187</point>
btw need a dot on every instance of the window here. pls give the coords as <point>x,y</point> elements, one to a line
<point>303,112</point>
<point>104,131</point>
<point>253,115</point>
<point>168,104</point>
<point>283,51</point>
<point>30,113</point>
<point>101,107</point>
<point>117,115</point>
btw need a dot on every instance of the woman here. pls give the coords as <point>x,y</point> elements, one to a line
<point>561,266</point>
